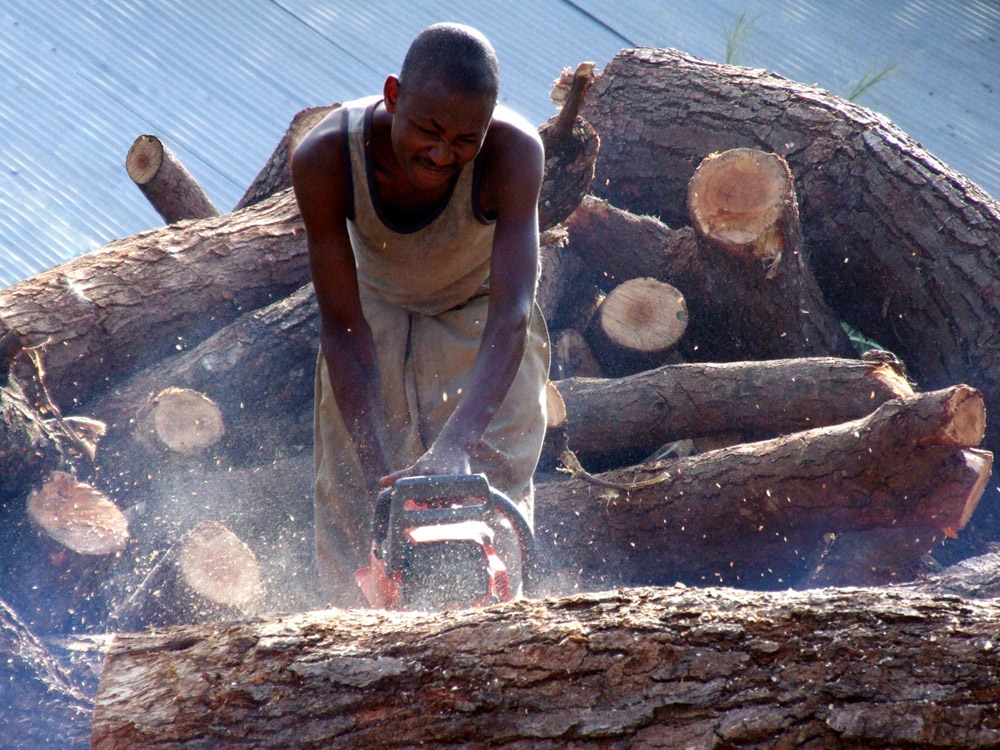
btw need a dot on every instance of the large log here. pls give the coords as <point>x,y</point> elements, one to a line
<point>637,326</point>
<point>165,182</point>
<point>633,668</point>
<point>276,174</point>
<point>740,307</point>
<point>258,371</point>
<point>40,704</point>
<point>755,514</point>
<point>637,414</point>
<point>121,307</point>
<point>905,249</point>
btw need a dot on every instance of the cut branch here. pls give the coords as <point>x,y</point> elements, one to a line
<point>165,182</point>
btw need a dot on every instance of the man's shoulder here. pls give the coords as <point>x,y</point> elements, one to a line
<point>512,137</point>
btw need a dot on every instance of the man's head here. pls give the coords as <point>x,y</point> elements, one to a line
<point>442,102</point>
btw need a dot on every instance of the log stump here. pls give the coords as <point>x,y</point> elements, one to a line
<point>637,326</point>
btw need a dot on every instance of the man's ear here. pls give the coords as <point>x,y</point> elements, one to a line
<point>390,94</point>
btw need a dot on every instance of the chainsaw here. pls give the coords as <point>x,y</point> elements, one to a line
<point>432,545</point>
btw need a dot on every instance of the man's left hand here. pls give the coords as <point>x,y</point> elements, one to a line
<point>438,460</point>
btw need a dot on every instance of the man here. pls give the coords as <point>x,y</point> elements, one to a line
<point>420,208</point>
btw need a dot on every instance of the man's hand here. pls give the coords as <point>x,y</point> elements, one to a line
<point>440,459</point>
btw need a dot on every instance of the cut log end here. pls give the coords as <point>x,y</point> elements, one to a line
<point>187,422</point>
<point>555,407</point>
<point>981,463</point>
<point>217,565</point>
<point>967,424</point>
<point>644,315</point>
<point>144,159</point>
<point>738,197</point>
<point>78,516</point>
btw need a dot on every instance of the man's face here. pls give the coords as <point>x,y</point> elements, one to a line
<point>436,131</point>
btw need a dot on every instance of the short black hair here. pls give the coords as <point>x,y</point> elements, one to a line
<point>458,55</point>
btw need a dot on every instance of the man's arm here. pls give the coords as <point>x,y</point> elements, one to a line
<point>515,169</point>
<point>319,179</point>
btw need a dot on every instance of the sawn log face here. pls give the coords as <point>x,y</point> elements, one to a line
<point>633,668</point>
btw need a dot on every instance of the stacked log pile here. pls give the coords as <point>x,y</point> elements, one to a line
<point>711,423</point>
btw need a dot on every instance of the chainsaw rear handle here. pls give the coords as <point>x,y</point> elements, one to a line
<point>457,488</point>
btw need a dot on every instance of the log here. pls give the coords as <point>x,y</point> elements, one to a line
<point>57,553</point>
<point>632,668</point>
<point>269,506</point>
<point>639,413</point>
<point>571,147</point>
<point>571,357</point>
<point>567,293</point>
<point>92,316</point>
<point>872,557</point>
<point>165,182</point>
<point>182,421</point>
<point>904,248</point>
<point>740,307</point>
<point>258,370</point>
<point>972,578</point>
<point>276,174</point>
<point>40,704</point>
<point>637,326</point>
<point>210,574</point>
<point>754,514</point>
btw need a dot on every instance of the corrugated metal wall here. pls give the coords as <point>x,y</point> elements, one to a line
<point>218,81</point>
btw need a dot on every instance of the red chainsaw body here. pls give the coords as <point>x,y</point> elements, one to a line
<point>432,547</point>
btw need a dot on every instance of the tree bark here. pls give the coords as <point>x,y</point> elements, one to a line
<point>29,444</point>
<point>571,147</point>
<point>276,174</point>
<point>904,248</point>
<point>572,358</point>
<point>754,514</point>
<point>93,318</point>
<point>638,414</point>
<point>40,705</point>
<point>566,294</point>
<point>739,309</point>
<point>633,668</point>
<point>165,182</point>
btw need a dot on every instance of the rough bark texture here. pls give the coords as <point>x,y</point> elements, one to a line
<point>566,292</point>
<point>40,706</point>
<point>276,174</point>
<point>755,514</point>
<point>634,668</point>
<point>93,315</point>
<point>640,413</point>
<point>571,147</point>
<point>904,248</point>
<point>736,310</point>
<point>165,182</point>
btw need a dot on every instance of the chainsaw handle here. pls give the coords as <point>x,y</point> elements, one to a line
<point>390,504</point>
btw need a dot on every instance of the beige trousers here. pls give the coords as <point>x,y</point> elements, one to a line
<point>424,363</point>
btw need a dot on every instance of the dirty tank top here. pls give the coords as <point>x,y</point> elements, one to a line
<point>428,268</point>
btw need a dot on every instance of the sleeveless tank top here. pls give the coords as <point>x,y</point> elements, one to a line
<point>431,267</point>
